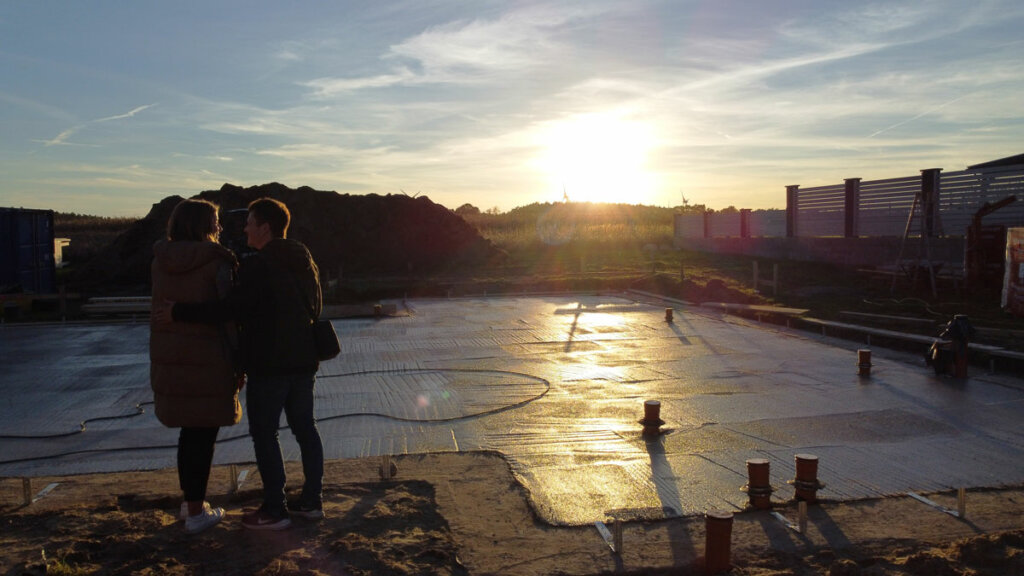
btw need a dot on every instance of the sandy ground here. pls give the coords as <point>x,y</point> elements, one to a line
<point>466,514</point>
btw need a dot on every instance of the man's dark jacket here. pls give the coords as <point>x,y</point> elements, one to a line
<point>275,302</point>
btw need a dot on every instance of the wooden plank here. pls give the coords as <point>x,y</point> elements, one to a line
<point>890,181</point>
<point>973,346</point>
<point>871,331</point>
<point>756,308</point>
<point>888,318</point>
<point>819,189</point>
<point>116,308</point>
<point>119,299</point>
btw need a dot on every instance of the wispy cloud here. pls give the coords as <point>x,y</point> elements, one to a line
<point>325,88</point>
<point>34,106</point>
<point>465,52</point>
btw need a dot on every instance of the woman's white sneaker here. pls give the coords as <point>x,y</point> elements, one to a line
<point>205,519</point>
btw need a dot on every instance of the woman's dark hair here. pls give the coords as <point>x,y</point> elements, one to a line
<point>193,220</point>
<point>273,213</point>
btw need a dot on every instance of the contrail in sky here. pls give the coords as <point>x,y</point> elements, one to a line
<point>63,136</point>
<point>925,113</point>
<point>125,115</point>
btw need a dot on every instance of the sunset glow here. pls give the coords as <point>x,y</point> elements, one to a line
<point>598,158</point>
<point>499,105</point>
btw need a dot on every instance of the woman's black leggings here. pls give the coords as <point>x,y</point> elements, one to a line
<point>195,456</point>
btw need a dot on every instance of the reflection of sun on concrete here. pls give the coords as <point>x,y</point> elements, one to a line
<point>576,372</point>
<point>599,321</point>
<point>578,321</point>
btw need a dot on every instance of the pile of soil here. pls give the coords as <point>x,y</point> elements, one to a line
<point>464,513</point>
<point>347,235</point>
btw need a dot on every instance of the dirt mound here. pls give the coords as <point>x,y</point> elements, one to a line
<point>347,235</point>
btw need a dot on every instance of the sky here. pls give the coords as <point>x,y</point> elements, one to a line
<point>108,107</point>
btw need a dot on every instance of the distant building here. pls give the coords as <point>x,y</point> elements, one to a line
<point>1017,160</point>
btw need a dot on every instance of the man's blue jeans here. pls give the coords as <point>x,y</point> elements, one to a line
<point>266,397</point>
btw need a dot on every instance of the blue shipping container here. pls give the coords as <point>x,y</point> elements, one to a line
<point>26,251</point>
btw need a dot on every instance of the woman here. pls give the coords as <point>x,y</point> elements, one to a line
<point>192,372</point>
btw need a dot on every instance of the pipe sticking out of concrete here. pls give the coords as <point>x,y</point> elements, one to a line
<point>864,362</point>
<point>759,488</point>
<point>668,315</point>
<point>652,421</point>
<point>718,541</point>
<point>806,482</point>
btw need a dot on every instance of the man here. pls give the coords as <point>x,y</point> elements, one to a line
<point>275,301</point>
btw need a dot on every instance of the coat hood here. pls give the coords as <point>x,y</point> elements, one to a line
<point>184,256</point>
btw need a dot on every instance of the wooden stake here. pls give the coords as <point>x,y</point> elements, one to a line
<point>26,487</point>
<point>605,534</point>
<point>45,491</point>
<point>933,504</point>
<point>238,480</point>
<point>785,521</point>
<point>801,508</point>
<point>961,503</point>
<point>617,536</point>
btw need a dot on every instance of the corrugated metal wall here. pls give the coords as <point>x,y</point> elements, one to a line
<point>26,251</point>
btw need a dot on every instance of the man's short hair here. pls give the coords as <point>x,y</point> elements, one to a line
<point>272,212</point>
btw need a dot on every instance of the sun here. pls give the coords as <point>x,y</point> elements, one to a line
<point>598,157</point>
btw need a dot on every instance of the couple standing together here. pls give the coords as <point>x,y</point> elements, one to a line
<point>217,325</point>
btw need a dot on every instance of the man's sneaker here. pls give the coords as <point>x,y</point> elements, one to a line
<point>260,519</point>
<point>208,517</point>
<point>313,512</point>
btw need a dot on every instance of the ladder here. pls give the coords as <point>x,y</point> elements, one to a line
<point>923,260</point>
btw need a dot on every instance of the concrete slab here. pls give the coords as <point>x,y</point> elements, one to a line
<point>557,385</point>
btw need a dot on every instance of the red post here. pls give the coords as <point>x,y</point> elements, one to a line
<point>864,362</point>
<point>806,482</point>
<point>759,488</point>
<point>718,541</point>
<point>652,421</point>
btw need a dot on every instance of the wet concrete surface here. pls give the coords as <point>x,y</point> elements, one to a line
<point>557,385</point>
